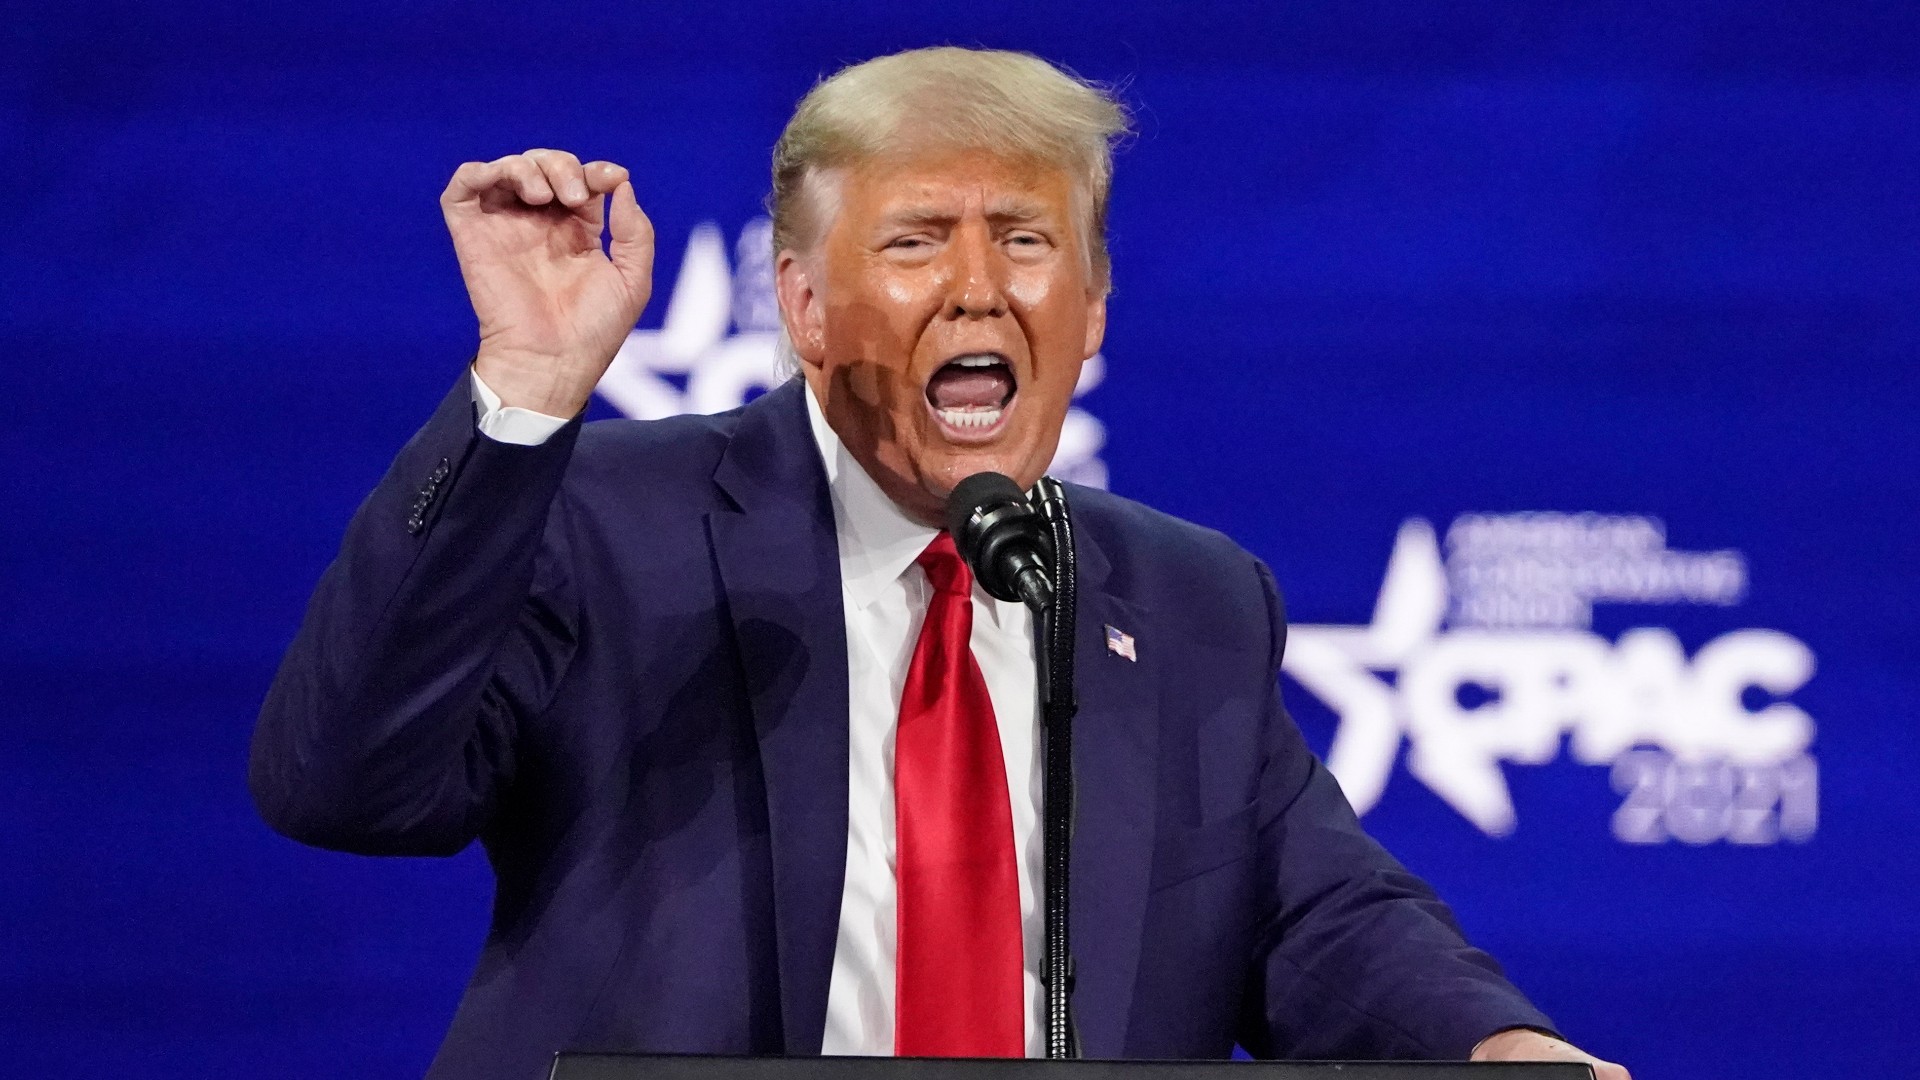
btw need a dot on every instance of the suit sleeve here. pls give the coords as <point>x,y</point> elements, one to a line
<point>445,620</point>
<point>1355,957</point>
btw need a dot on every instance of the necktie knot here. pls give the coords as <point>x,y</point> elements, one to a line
<point>946,570</point>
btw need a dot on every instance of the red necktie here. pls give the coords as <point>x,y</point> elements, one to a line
<point>959,975</point>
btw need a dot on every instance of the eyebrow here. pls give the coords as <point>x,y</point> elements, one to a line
<point>1005,212</point>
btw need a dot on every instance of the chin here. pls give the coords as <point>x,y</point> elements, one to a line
<point>955,465</point>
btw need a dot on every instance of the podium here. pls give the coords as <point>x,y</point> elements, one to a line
<point>571,1066</point>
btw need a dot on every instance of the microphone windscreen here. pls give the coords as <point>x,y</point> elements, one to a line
<point>977,492</point>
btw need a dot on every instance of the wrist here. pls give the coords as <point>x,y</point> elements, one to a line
<point>545,385</point>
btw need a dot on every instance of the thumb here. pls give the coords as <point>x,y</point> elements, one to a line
<point>631,247</point>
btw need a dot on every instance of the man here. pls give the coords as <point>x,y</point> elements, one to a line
<point>752,757</point>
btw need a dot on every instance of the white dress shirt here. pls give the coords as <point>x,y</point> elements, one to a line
<point>884,596</point>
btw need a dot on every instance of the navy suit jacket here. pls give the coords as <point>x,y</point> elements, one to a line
<point>618,659</point>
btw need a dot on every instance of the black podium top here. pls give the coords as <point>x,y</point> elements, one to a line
<point>674,1067</point>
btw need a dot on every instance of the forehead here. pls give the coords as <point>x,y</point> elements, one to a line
<point>954,182</point>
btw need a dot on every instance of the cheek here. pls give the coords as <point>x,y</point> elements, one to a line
<point>901,294</point>
<point>1030,291</point>
<point>1053,305</point>
<point>1056,324</point>
<point>876,317</point>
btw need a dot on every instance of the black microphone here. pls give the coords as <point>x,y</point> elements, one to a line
<point>1002,538</point>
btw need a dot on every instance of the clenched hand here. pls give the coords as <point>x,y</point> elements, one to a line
<point>1522,1044</point>
<point>553,306</point>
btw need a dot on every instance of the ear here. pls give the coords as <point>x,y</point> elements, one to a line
<point>800,308</point>
<point>1096,321</point>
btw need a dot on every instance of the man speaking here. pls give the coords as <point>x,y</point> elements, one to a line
<point>752,756</point>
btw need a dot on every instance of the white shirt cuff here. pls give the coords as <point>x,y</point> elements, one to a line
<point>511,424</point>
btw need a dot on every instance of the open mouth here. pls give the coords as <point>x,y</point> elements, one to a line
<point>971,394</point>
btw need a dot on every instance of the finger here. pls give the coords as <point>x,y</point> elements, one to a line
<point>504,179</point>
<point>603,176</point>
<point>563,174</point>
<point>521,177</point>
<point>511,176</point>
<point>467,182</point>
<point>631,242</point>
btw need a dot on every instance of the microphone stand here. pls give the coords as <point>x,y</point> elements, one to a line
<point>1053,667</point>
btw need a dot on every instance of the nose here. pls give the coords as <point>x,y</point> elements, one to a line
<point>976,291</point>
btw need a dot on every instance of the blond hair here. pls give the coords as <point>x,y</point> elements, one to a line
<point>1010,103</point>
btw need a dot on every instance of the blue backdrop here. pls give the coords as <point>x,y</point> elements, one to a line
<point>1595,321</point>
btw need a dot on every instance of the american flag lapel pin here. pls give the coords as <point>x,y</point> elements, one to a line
<point>1121,644</point>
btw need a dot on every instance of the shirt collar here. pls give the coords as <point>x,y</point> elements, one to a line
<point>877,541</point>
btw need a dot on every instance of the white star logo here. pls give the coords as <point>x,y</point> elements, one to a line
<point>1470,697</point>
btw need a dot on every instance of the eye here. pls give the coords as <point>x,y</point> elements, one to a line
<point>906,243</point>
<point>1026,245</point>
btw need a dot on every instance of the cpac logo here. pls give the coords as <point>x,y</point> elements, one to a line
<point>717,347</point>
<point>1487,656</point>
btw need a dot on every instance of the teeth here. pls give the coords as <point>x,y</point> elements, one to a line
<point>978,360</point>
<point>970,418</point>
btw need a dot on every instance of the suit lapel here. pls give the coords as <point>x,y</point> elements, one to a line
<point>780,567</point>
<point>1116,739</point>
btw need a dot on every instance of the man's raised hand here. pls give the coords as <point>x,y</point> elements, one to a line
<point>553,307</point>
